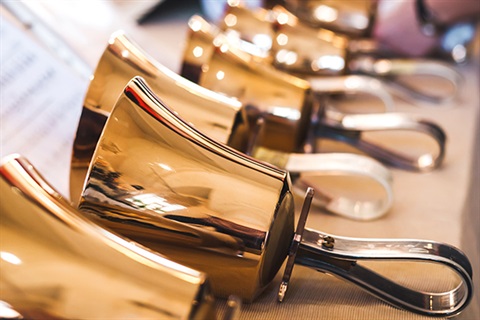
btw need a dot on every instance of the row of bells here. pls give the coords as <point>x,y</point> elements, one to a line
<point>172,176</point>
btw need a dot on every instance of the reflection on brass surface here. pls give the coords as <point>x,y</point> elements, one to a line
<point>285,42</point>
<point>286,103</point>
<point>157,180</point>
<point>225,68</point>
<point>55,264</point>
<point>352,17</point>
<point>114,70</point>
<point>281,39</point>
<point>221,117</point>
<point>225,119</point>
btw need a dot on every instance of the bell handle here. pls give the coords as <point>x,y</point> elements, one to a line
<point>340,256</point>
<point>343,164</point>
<point>348,129</point>
<point>351,85</point>
<point>303,165</point>
<point>390,70</point>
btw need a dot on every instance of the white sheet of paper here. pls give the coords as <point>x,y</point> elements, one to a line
<point>41,102</point>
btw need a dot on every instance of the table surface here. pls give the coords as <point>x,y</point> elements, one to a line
<point>441,205</point>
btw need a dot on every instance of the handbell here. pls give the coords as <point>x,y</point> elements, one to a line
<point>155,179</point>
<point>313,53</point>
<point>224,68</point>
<point>56,264</point>
<point>227,121</point>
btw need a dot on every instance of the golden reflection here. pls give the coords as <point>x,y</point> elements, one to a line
<point>325,13</point>
<point>194,25</point>
<point>197,51</point>
<point>7,312</point>
<point>56,264</point>
<point>10,258</point>
<point>350,17</point>
<point>287,44</point>
<point>220,75</point>
<point>213,211</point>
<point>282,39</point>
<point>230,20</point>
<point>425,161</point>
<point>263,41</point>
<point>283,18</point>
<point>153,202</point>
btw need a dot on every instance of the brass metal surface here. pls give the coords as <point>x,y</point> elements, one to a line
<point>225,68</point>
<point>223,118</point>
<point>285,42</point>
<point>281,39</point>
<point>157,180</point>
<point>115,69</point>
<point>220,116</point>
<point>285,102</point>
<point>351,17</point>
<point>56,264</point>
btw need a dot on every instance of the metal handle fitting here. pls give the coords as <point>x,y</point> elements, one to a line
<point>348,128</point>
<point>340,256</point>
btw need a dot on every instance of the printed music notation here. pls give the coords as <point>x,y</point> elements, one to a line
<point>41,101</point>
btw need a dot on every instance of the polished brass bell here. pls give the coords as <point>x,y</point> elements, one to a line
<point>174,186</point>
<point>56,264</point>
<point>159,181</point>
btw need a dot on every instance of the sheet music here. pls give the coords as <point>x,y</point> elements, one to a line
<point>41,101</point>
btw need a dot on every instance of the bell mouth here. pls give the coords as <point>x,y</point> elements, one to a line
<point>279,238</point>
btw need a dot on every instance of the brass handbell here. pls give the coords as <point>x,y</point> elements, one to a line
<point>212,61</point>
<point>162,183</point>
<point>230,122</point>
<point>55,264</point>
<point>282,40</point>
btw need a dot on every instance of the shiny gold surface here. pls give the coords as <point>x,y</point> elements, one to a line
<point>160,182</point>
<point>246,136</point>
<point>157,180</point>
<point>229,70</point>
<point>55,264</point>
<point>352,17</point>
<point>122,60</point>
<point>285,42</point>
<point>284,102</point>
<point>286,105</point>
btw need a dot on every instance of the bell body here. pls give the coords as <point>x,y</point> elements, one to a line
<point>284,102</point>
<point>351,17</point>
<point>158,181</point>
<point>55,264</point>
